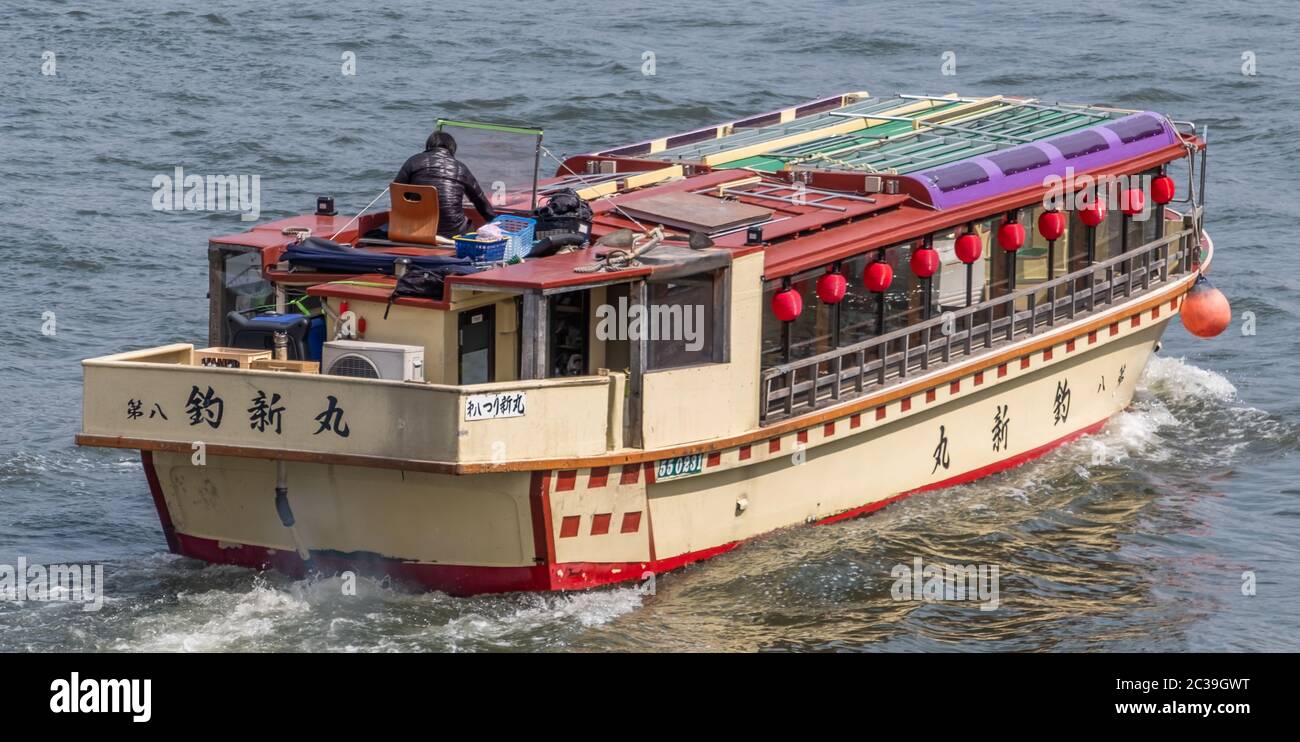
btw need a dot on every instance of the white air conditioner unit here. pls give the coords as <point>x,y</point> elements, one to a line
<point>360,359</point>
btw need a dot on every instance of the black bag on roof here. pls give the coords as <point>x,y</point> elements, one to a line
<point>563,213</point>
<point>423,283</point>
<point>565,202</point>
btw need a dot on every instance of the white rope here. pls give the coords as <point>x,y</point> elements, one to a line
<point>359,213</point>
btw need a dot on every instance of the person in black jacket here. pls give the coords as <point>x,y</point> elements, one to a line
<point>437,166</point>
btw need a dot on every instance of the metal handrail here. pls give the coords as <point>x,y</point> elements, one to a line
<point>870,362</point>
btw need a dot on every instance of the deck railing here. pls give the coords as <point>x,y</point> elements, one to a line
<point>809,383</point>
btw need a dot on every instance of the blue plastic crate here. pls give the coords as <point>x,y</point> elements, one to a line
<point>519,234</point>
<point>480,251</point>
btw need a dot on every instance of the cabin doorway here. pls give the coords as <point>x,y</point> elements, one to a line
<point>570,333</point>
<point>477,359</point>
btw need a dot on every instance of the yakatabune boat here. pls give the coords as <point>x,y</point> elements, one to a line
<point>831,307</point>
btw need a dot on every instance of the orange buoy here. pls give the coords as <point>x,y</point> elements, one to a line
<point>1205,310</point>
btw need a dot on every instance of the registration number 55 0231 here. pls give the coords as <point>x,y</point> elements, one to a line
<point>680,466</point>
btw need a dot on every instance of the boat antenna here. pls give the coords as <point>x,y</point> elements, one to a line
<point>359,213</point>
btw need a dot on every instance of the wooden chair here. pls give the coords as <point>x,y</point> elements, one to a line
<point>413,214</point>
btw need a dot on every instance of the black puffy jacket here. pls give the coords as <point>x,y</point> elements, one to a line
<point>438,167</point>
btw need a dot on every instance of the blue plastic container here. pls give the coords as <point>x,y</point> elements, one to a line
<point>480,251</point>
<point>519,234</point>
<point>517,241</point>
<point>315,338</point>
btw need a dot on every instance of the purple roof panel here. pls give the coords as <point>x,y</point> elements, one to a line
<point>1026,165</point>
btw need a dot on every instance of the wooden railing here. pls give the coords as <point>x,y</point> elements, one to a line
<point>809,383</point>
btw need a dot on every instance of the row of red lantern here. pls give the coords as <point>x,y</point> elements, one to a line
<point>832,287</point>
<point>787,304</point>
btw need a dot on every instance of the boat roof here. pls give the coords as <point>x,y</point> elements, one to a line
<point>828,179</point>
<point>894,134</point>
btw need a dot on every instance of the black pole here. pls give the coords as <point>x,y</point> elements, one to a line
<point>835,314</point>
<point>1092,251</point>
<point>927,283</point>
<point>835,324</point>
<point>970,283</point>
<point>786,285</point>
<point>1011,271</point>
<point>880,314</point>
<point>1051,259</point>
<point>1123,238</point>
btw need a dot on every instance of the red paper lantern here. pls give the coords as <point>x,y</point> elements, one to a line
<point>969,247</point>
<point>1163,189</point>
<point>925,261</point>
<point>831,287</point>
<point>1133,202</point>
<point>1051,225</point>
<point>1011,235</point>
<point>1093,214</point>
<point>787,305</point>
<point>878,276</point>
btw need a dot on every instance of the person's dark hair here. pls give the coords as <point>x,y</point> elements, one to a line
<point>441,139</point>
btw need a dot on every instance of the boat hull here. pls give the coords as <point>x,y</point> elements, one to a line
<point>577,528</point>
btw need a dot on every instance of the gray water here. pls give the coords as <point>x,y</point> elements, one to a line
<point>1143,552</point>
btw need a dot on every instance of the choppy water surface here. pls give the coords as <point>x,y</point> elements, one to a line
<point>1134,539</point>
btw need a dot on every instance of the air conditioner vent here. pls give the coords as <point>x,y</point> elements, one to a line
<point>356,366</point>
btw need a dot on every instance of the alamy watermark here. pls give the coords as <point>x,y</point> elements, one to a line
<point>651,322</point>
<point>1078,192</point>
<point>53,583</point>
<point>78,695</point>
<point>181,192</point>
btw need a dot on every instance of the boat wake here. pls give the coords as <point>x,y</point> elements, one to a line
<point>221,608</point>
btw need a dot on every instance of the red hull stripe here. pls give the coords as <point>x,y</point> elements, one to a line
<point>450,578</point>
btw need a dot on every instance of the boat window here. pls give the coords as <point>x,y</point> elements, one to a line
<point>1136,128</point>
<point>994,258</point>
<point>1032,260</point>
<point>821,327</point>
<point>618,349</point>
<point>682,321</point>
<point>952,276</point>
<point>1076,235</point>
<point>235,285</point>
<point>810,332</point>
<point>961,175</point>
<point>1080,144</point>
<point>860,313</point>
<point>241,277</point>
<point>1108,237</point>
<point>1020,159</point>
<point>476,356</point>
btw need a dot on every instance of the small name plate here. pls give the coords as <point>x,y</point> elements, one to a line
<point>682,466</point>
<point>491,406</point>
